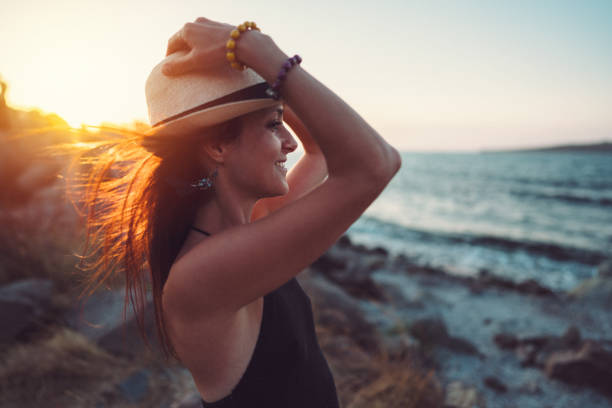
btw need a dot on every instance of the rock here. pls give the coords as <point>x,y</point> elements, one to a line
<point>343,353</point>
<point>495,384</point>
<point>352,271</point>
<point>400,297</point>
<point>486,279</point>
<point>135,387</point>
<point>402,262</point>
<point>433,332</point>
<point>100,318</point>
<point>462,346</point>
<point>567,358</point>
<point>371,263</point>
<point>330,261</point>
<point>526,353</point>
<point>21,304</point>
<point>189,401</point>
<point>365,289</point>
<point>532,287</point>
<point>344,241</point>
<point>429,331</point>
<point>460,395</point>
<point>506,341</point>
<point>531,387</point>
<point>397,347</point>
<point>357,279</point>
<point>533,351</point>
<point>594,292</point>
<point>379,251</point>
<point>590,366</point>
<point>360,248</point>
<point>571,338</point>
<point>604,270</point>
<point>338,312</point>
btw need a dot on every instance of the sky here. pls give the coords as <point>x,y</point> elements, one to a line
<point>427,75</point>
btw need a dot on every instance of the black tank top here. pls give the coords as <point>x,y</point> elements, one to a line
<point>287,368</point>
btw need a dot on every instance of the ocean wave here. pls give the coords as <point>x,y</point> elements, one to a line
<point>550,250</point>
<point>590,184</point>
<point>567,198</point>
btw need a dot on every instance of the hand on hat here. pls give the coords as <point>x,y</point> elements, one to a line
<point>204,40</point>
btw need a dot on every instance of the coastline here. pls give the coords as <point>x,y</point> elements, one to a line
<point>497,341</point>
<point>603,147</point>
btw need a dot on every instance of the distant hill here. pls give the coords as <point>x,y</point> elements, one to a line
<point>605,147</point>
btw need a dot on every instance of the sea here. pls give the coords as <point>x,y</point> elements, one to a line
<point>520,215</point>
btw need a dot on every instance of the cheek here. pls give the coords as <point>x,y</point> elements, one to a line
<point>254,165</point>
<point>268,150</point>
<point>254,160</point>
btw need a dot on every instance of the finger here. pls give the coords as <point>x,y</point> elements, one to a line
<point>201,20</point>
<point>177,42</point>
<point>179,65</point>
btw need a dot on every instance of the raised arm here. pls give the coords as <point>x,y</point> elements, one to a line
<point>351,147</point>
<point>240,264</point>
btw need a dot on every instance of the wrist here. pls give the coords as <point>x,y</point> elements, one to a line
<point>259,52</point>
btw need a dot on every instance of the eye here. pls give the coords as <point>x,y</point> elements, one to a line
<point>275,124</point>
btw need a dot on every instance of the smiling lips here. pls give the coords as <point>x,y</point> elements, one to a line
<point>281,165</point>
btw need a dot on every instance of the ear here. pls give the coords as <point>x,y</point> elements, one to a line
<point>216,148</point>
<point>219,140</point>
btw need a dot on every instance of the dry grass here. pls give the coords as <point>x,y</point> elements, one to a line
<point>398,384</point>
<point>62,370</point>
<point>367,380</point>
<point>66,370</point>
<point>370,368</point>
<point>38,240</point>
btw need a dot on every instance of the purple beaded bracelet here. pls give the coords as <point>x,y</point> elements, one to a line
<point>274,90</point>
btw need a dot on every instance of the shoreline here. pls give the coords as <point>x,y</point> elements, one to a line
<point>553,265</point>
<point>502,342</point>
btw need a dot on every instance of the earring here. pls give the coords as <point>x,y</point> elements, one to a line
<point>206,183</point>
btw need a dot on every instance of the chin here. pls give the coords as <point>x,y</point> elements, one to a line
<point>281,190</point>
<point>277,191</point>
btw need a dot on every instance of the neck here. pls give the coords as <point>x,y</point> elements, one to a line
<point>223,211</point>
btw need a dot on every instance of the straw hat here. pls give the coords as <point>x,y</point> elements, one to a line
<point>192,101</point>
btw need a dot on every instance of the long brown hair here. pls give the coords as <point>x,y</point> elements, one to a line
<point>139,207</point>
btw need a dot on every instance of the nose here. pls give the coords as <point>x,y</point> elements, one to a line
<point>289,142</point>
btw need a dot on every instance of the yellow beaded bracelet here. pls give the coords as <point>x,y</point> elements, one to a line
<point>230,46</point>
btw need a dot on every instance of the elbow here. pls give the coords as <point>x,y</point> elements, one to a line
<point>388,165</point>
<point>375,172</point>
<point>395,160</point>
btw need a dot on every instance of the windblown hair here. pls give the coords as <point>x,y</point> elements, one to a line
<point>139,207</point>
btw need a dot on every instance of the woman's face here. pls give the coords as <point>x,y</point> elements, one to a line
<point>256,163</point>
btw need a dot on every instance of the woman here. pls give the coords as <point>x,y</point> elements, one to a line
<point>223,250</point>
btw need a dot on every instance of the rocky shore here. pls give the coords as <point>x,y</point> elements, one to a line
<point>396,334</point>
<point>492,342</point>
